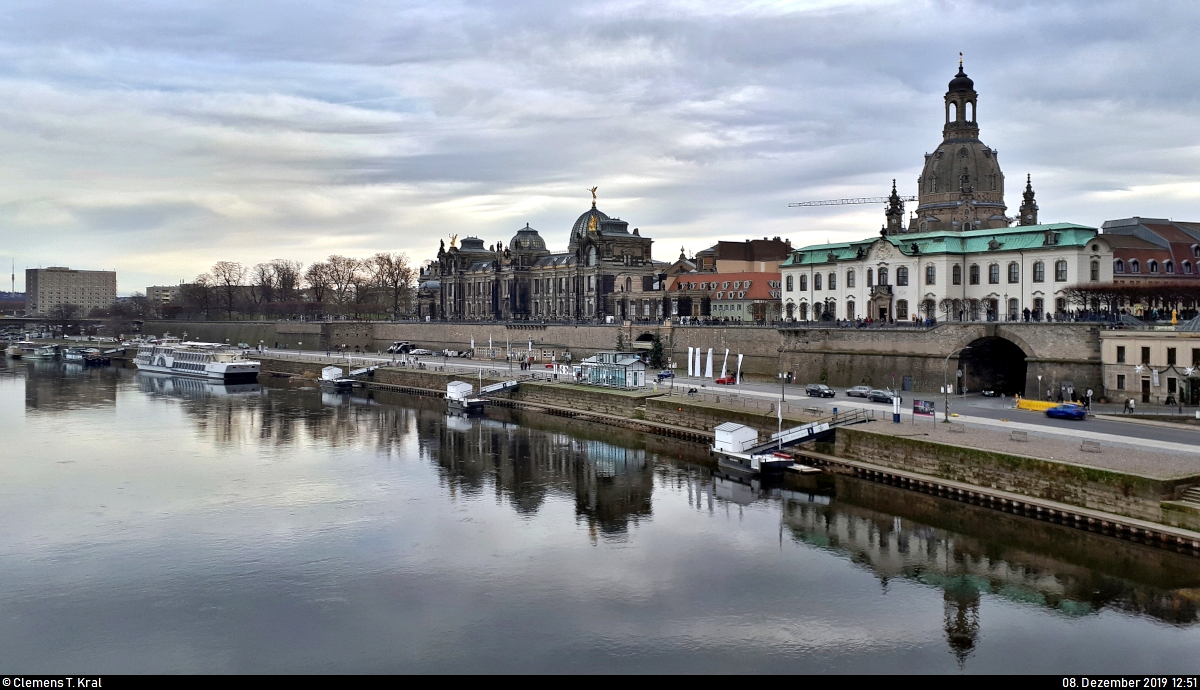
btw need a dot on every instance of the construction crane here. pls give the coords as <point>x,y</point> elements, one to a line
<point>844,202</point>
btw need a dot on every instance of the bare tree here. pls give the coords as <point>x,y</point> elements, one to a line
<point>394,276</point>
<point>947,307</point>
<point>262,285</point>
<point>229,276</point>
<point>317,276</point>
<point>61,316</point>
<point>287,278</point>
<point>343,272</point>
<point>199,295</point>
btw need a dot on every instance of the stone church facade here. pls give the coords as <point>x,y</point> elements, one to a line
<point>606,271</point>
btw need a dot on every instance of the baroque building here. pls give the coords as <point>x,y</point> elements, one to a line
<point>960,258</point>
<point>606,271</point>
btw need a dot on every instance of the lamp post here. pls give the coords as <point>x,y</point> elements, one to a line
<point>946,378</point>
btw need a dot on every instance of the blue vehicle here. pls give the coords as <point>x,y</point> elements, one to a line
<point>666,374</point>
<point>1067,411</point>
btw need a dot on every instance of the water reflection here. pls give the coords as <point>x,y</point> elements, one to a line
<point>52,386</point>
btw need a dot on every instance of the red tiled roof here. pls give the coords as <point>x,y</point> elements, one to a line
<point>713,283</point>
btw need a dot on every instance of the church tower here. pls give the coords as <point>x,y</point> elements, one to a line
<point>1029,207</point>
<point>961,187</point>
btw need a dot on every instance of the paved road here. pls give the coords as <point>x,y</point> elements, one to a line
<point>973,409</point>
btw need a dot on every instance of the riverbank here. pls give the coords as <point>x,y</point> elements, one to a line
<point>1146,487</point>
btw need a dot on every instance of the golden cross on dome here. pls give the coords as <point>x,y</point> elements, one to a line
<point>960,61</point>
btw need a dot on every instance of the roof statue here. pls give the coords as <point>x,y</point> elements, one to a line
<point>453,239</point>
<point>593,191</point>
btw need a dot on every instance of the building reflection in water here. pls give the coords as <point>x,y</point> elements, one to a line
<point>1018,561</point>
<point>55,386</point>
<point>611,485</point>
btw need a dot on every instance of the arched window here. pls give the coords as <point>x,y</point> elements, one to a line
<point>974,274</point>
<point>789,283</point>
<point>1119,266</point>
<point>930,274</point>
<point>1014,308</point>
<point>1095,271</point>
<point>849,280</point>
<point>832,281</point>
<point>883,276</point>
<point>629,285</point>
<point>803,283</point>
<point>1153,265</point>
<point>994,274</point>
<point>804,309</point>
<point>870,277</point>
<point>901,275</point>
<point>951,116</point>
<point>956,274</point>
<point>816,281</point>
<point>1014,272</point>
<point>849,311</point>
<point>1039,272</point>
<point>970,108</point>
<point>1134,266</point>
<point>902,310</point>
<point>1060,271</point>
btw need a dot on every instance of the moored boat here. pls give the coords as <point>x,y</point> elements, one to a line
<point>211,361</point>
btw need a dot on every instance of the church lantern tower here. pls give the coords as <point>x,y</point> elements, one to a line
<point>1029,207</point>
<point>961,187</point>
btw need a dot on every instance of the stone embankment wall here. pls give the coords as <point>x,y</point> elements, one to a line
<point>1112,492</point>
<point>691,414</point>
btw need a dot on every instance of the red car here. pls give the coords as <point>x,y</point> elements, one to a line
<point>726,381</point>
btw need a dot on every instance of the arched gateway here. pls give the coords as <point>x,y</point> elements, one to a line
<point>994,363</point>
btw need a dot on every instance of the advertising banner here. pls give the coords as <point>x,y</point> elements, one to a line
<point>925,407</point>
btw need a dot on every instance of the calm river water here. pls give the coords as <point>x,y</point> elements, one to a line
<point>165,525</point>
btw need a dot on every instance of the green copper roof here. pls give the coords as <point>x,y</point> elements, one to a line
<point>949,242</point>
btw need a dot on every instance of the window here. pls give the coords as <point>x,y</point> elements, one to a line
<point>816,281</point>
<point>901,310</point>
<point>1014,272</point>
<point>974,274</point>
<point>725,285</point>
<point>1187,267</point>
<point>737,285</point>
<point>1172,385</point>
<point>1094,274</point>
<point>1196,250</point>
<point>1120,354</point>
<point>994,274</point>
<point>1153,266</point>
<point>930,275</point>
<point>1120,382</point>
<point>803,283</point>
<point>1039,272</point>
<point>1060,271</point>
<point>870,277</point>
<point>956,275</point>
<point>850,309</point>
<point>1170,356</point>
<point>1118,266</point>
<point>883,276</point>
<point>1196,357</point>
<point>901,275</point>
<point>849,279</point>
<point>1168,267</point>
<point>1134,266</point>
<point>1060,304</point>
<point>1145,355</point>
<point>789,284</point>
<point>832,281</point>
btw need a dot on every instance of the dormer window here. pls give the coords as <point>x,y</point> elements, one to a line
<point>746,284</point>
<point>1168,267</point>
<point>1119,266</point>
<point>1051,237</point>
<point>1135,267</point>
<point>725,285</point>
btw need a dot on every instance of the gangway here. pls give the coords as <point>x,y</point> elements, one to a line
<point>365,371</point>
<point>499,387</point>
<point>738,448</point>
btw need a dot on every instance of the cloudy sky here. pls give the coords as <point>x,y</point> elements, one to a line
<point>155,138</point>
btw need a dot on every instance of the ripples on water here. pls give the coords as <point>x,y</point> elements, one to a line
<point>160,524</point>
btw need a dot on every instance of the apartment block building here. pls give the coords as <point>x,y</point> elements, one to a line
<point>47,288</point>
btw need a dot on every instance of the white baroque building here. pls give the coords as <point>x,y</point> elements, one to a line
<point>957,258</point>
<point>978,275</point>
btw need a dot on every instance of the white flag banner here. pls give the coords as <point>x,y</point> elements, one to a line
<point>739,371</point>
<point>1154,372</point>
<point>724,362</point>
<point>489,342</point>
<point>472,343</point>
<point>708,365</point>
<point>697,374</point>
<point>690,361</point>
<point>529,352</point>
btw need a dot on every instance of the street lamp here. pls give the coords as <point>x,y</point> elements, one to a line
<point>946,378</point>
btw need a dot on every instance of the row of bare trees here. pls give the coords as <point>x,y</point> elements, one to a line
<point>1112,297</point>
<point>380,285</point>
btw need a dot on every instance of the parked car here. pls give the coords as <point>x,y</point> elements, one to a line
<point>819,390</point>
<point>420,351</point>
<point>858,392</point>
<point>666,374</point>
<point>877,395</point>
<point>1067,411</point>
<point>726,381</point>
<point>400,346</point>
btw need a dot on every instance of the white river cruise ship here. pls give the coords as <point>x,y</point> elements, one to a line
<point>203,360</point>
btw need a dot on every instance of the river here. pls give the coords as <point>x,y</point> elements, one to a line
<point>152,524</point>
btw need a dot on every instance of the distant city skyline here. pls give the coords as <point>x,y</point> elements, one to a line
<point>157,140</point>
